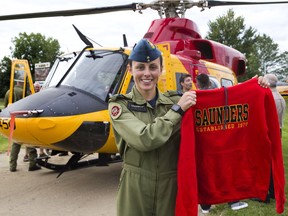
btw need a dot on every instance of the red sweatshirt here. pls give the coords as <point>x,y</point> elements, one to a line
<point>228,141</point>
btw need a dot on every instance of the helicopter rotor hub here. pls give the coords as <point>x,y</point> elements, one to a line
<point>172,8</point>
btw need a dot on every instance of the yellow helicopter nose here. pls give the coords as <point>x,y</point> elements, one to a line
<point>45,124</point>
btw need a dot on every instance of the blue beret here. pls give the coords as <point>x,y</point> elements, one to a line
<point>144,51</point>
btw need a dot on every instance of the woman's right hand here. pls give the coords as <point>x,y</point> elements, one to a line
<point>187,100</point>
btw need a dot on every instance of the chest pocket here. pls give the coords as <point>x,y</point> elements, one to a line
<point>147,115</point>
<point>141,111</point>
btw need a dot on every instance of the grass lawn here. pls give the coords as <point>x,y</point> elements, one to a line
<point>1,103</point>
<point>3,140</point>
<point>255,208</point>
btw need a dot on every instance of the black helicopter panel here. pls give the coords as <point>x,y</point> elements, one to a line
<point>93,134</point>
<point>62,101</point>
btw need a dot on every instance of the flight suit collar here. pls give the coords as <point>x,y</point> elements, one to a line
<point>138,98</point>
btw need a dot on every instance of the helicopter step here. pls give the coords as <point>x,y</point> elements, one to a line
<point>75,163</point>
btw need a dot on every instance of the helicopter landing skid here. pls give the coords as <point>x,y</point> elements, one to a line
<point>75,163</point>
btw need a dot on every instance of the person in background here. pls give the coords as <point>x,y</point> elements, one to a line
<point>37,88</point>
<point>280,106</point>
<point>18,91</point>
<point>185,82</point>
<point>203,83</point>
<point>279,100</point>
<point>146,126</point>
<point>15,149</point>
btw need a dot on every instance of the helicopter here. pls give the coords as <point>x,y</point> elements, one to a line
<point>70,112</point>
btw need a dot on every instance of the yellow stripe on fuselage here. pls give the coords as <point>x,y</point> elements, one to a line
<point>50,130</point>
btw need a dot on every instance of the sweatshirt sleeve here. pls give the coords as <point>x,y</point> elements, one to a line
<point>187,194</point>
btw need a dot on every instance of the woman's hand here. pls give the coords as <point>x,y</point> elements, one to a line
<point>187,100</point>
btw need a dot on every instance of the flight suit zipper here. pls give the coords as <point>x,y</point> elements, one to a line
<point>154,115</point>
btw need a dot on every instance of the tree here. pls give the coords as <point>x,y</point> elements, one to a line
<point>5,71</point>
<point>35,48</point>
<point>260,50</point>
<point>282,67</point>
<point>268,53</point>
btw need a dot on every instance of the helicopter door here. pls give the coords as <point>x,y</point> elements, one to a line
<point>20,76</point>
<point>226,82</point>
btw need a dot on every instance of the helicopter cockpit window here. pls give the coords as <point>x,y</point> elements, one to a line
<point>95,72</point>
<point>59,68</point>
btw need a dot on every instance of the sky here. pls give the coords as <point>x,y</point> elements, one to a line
<point>107,29</point>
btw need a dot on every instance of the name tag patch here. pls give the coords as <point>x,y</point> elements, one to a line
<point>137,107</point>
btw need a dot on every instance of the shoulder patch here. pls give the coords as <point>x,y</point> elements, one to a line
<point>115,110</point>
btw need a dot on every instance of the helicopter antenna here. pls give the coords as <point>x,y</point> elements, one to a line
<point>125,41</point>
<point>94,42</point>
<point>83,38</point>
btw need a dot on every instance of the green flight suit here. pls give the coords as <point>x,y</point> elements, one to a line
<point>148,140</point>
<point>15,148</point>
<point>16,96</point>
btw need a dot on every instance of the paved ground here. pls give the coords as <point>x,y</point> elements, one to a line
<point>89,191</point>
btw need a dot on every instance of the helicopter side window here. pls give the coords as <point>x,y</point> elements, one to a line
<point>178,76</point>
<point>95,73</point>
<point>226,82</point>
<point>214,83</point>
<point>131,84</point>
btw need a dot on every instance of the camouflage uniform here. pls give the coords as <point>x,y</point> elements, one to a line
<point>148,140</point>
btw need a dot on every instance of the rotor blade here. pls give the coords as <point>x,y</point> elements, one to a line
<point>70,12</point>
<point>227,3</point>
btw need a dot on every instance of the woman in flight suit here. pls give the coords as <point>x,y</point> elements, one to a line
<point>146,125</point>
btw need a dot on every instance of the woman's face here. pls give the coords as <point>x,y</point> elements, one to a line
<point>146,74</point>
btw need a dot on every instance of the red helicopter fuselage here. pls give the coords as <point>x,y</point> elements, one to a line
<point>183,36</point>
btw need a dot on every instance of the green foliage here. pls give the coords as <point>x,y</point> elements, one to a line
<point>282,67</point>
<point>268,53</point>
<point>3,140</point>
<point>231,31</point>
<point>5,71</point>
<point>3,144</point>
<point>262,54</point>
<point>35,48</point>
